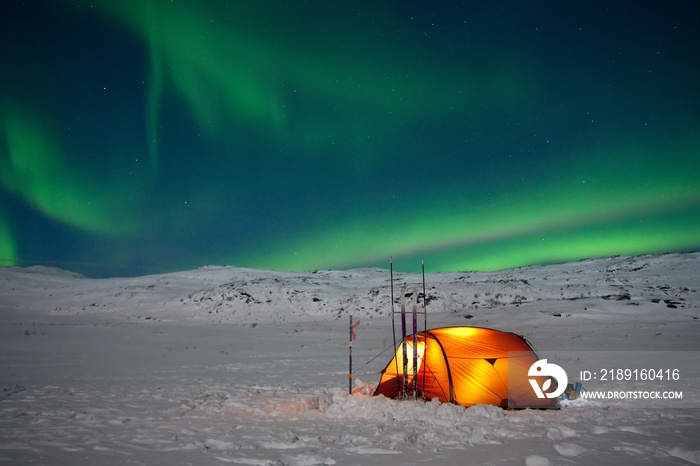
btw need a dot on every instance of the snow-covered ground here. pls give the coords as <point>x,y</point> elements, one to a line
<point>230,365</point>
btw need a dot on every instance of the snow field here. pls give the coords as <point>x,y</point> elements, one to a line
<point>225,365</point>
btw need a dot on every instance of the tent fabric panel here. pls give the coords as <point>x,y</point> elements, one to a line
<point>520,391</point>
<point>488,382</point>
<point>473,342</point>
<point>389,383</point>
<point>476,381</point>
<point>434,381</point>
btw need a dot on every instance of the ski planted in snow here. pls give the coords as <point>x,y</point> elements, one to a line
<point>402,382</point>
<point>403,343</point>
<point>415,343</point>
<point>393,315</point>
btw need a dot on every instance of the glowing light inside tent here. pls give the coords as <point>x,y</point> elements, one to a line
<point>421,351</point>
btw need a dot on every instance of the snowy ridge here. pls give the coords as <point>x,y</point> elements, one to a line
<point>240,295</point>
<point>232,365</point>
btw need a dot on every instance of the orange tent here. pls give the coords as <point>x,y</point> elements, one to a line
<point>467,366</point>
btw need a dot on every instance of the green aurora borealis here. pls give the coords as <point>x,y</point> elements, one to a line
<point>143,136</point>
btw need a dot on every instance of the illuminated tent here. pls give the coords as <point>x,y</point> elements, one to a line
<point>467,366</point>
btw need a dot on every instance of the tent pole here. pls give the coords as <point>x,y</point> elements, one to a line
<point>425,296</point>
<point>393,326</point>
<point>425,319</point>
<point>350,361</point>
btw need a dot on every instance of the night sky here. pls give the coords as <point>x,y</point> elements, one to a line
<point>145,136</point>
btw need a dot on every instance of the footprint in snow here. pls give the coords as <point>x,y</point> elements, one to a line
<point>535,460</point>
<point>560,432</point>
<point>568,449</point>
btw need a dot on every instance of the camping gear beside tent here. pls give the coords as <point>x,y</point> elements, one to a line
<point>467,366</point>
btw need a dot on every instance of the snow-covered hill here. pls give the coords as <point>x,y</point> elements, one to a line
<point>224,364</point>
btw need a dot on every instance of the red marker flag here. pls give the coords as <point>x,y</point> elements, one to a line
<point>352,329</point>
